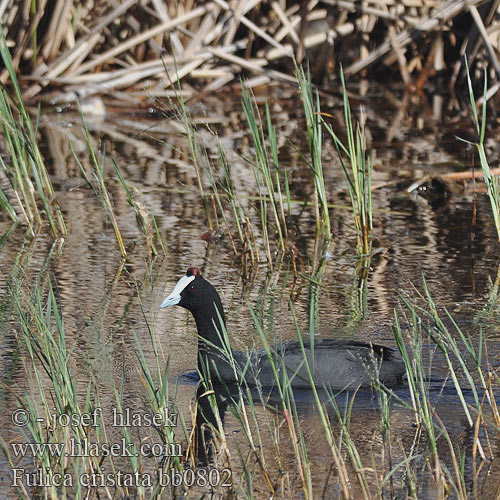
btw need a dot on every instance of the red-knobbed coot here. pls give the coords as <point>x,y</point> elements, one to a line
<point>339,364</point>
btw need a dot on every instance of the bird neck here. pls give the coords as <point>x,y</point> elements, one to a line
<point>211,324</point>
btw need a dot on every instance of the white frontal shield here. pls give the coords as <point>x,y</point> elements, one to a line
<point>175,297</point>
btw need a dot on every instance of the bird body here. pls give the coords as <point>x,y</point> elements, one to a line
<point>337,364</point>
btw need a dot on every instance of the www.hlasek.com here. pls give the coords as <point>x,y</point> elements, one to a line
<point>85,448</point>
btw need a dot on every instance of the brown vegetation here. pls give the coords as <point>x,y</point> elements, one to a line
<point>102,46</point>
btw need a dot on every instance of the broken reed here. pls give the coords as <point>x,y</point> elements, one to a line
<point>78,44</point>
<point>25,170</point>
<point>358,173</point>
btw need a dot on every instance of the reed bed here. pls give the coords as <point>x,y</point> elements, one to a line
<point>359,174</point>
<point>30,197</point>
<point>100,47</point>
<point>68,416</point>
<point>275,453</point>
<point>262,221</point>
<point>389,467</point>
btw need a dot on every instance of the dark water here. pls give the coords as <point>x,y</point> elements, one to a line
<point>444,233</point>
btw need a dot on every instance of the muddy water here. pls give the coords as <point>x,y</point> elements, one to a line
<point>444,232</point>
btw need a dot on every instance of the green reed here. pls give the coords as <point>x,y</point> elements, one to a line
<point>244,410</point>
<point>314,129</point>
<point>426,417</point>
<point>26,171</point>
<point>197,152</point>
<point>490,180</point>
<point>144,217</point>
<point>52,395</point>
<point>222,189</point>
<point>241,220</point>
<point>466,361</point>
<point>159,394</point>
<point>98,183</point>
<point>273,199</point>
<point>50,360</point>
<point>358,173</point>
<point>54,392</point>
<point>4,200</point>
<point>283,383</point>
<point>417,376</point>
<point>266,171</point>
<point>283,386</point>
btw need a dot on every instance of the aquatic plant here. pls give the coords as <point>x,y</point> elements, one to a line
<point>143,215</point>
<point>466,357</point>
<point>358,174</point>
<point>25,171</point>
<point>51,400</point>
<point>222,188</point>
<point>312,113</point>
<point>98,184</point>
<point>490,180</point>
<point>267,172</point>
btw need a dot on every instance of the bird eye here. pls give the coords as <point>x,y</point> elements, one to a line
<point>192,288</point>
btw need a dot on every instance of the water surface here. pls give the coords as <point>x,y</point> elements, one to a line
<point>441,231</point>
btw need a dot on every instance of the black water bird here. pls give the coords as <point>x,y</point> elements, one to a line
<point>338,364</point>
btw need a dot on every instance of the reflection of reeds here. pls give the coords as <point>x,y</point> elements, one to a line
<point>358,296</point>
<point>26,170</point>
<point>358,174</point>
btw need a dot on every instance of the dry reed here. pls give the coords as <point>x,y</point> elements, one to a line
<point>99,47</point>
